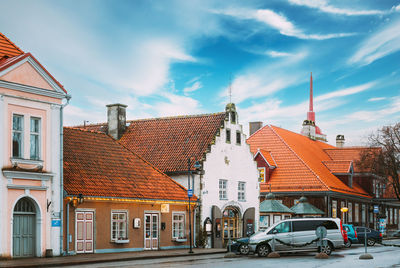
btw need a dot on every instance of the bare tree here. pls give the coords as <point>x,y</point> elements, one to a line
<point>382,158</point>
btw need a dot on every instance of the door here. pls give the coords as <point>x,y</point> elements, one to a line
<point>24,231</point>
<point>151,231</point>
<point>84,231</point>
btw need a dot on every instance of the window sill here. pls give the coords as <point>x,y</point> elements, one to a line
<point>223,199</point>
<point>242,200</point>
<point>179,240</point>
<point>121,241</point>
<point>26,163</point>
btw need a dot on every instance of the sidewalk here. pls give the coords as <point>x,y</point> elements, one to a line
<point>106,257</point>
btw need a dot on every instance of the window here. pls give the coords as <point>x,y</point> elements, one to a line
<point>35,138</point>
<point>228,136</point>
<point>391,215</point>
<point>350,213</point>
<point>118,225</point>
<point>222,190</point>
<point>261,171</point>
<point>277,218</point>
<point>17,136</point>
<point>395,216</point>
<point>233,117</point>
<point>178,225</point>
<point>264,221</point>
<point>356,213</point>
<point>238,137</point>
<point>284,227</point>
<point>311,225</point>
<point>242,191</point>
<point>363,210</point>
<point>334,208</point>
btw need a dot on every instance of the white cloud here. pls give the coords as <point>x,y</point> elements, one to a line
<point>278,22</point>
<point>377,99</point>
<point>195,86</point>
<point>74,116</point>
<point>380,44</point>
<point>396,8</point>
<point>177,105</point>
<point>345,92</point>
<point>276,54</point>
<point>324,6</point>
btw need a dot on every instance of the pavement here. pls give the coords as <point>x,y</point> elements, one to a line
<point>106,257</point>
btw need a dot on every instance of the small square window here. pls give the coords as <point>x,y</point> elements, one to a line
<point>242,191</point>
<point>222,190</point>
<point>238,137</point>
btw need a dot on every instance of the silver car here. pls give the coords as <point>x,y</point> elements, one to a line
<point>295,234</point>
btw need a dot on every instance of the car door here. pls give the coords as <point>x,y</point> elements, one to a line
<point>282,232</point>
<point>304,232</point>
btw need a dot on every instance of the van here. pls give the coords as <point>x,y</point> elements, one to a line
<point>296,232</point>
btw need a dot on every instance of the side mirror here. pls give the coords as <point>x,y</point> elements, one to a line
<point>274,231</point>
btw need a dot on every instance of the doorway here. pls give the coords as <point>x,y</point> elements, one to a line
<point>151,231</point>
<point>84,231</point>
<point>24,228</point>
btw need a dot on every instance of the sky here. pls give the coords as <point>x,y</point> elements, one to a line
<point>166,58</point>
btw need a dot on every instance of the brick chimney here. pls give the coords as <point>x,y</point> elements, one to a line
<point>254,126</point>
<point>116,120</point>
<point>340,141</point>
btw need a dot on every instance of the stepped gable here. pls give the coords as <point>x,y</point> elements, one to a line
<point>300,163</point>
<point>97,165</point>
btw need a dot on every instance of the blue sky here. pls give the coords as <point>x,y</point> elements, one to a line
<point>166,58</point>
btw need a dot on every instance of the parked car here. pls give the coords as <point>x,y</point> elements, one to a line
<point>240,246</point>
<point>351,235</point>
<point>298,231</point>
<point>373,236</point>
<point>395,234</point>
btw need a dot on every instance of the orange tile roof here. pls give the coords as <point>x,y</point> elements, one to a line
<point>343,166</point>
<point>268,157</point>
<point>300,162</point>
<point>97,165</point>
<point>8,48</point>
<point>168,142</point>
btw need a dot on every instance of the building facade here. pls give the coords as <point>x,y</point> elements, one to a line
<point>31,104</point>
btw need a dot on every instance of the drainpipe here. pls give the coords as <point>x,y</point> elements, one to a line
<point>68,97</point>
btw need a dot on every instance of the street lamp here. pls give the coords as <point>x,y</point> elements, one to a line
<point>190,194</point>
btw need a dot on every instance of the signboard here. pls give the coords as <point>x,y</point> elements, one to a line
<point>262,174</point>
<point>376,209</point>
<point>164,208</point>
<point>190,192</point>
<point>56,223</point>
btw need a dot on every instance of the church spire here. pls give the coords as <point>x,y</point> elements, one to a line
<point>311,114</point>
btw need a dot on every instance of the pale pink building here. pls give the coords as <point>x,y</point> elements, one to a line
<point>31,110</point>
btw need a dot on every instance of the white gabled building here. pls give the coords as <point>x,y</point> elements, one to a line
<point>227,181</point>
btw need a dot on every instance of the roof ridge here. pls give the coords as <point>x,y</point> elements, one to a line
<point>298,157</point>
<point>86,130</point>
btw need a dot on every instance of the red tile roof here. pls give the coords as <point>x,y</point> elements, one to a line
<point>268,157</point>
<point>97,165</point>
<point>300,162</point>
<point>8,48</point>
<point>343,166</point>
<point>167,142</point>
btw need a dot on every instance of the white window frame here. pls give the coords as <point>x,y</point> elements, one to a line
<point>350,212</point>
<point>183,231</point>
<point>357,212</point>
<point>223,191</point>
<point>21,131</point>
<point>38,134</point>
<point>118,220</point>
<point>242,191</point>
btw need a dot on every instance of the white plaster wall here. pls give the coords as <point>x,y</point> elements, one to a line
<point>234,163</point>
<point>3,181</point>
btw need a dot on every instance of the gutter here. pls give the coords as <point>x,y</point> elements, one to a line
<point>68,97</point>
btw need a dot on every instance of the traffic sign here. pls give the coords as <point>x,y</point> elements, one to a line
<point>190,192</point>
<point>376,209</point>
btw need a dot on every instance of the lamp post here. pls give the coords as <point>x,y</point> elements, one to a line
<point>190,194</point>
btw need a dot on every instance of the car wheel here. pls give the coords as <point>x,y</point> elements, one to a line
<point>244,249</point>
<point>326,249</point>
<point>263,250</point>
<point>370,242</point>
<point>347,244</point>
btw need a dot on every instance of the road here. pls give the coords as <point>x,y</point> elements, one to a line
<point>383,257</point>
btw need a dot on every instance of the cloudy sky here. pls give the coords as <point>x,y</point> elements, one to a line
<point>167,57</point>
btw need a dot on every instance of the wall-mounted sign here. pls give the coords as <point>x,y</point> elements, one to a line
<point>136,223</point>
<point>164,208</point>
<point>376,209</point>
<point>56,223</point>
<point>190,192</point>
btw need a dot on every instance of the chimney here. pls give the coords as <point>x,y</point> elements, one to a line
<point>116,120</point>
<point>254,126</point>
<point>340,141</point>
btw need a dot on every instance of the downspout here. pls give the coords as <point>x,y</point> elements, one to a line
<point>68,97</point>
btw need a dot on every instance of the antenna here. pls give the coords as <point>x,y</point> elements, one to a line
<point>230,88</point>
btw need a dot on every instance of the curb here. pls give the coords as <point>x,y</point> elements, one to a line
<point>111,259</point>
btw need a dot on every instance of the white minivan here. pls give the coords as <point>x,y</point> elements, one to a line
<point>295,233</point>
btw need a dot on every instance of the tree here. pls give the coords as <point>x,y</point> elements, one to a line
<point>382,158</point>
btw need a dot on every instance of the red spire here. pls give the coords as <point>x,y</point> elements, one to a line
<point>311,114</point>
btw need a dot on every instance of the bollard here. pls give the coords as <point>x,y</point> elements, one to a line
<point>365,256</point>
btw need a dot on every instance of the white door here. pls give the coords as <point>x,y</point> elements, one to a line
<point>151,231</point>
<point>84,231</point>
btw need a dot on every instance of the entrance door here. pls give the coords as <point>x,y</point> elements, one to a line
<point>151,231</point>
<point>84,231</point>
<point>24,228</point>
